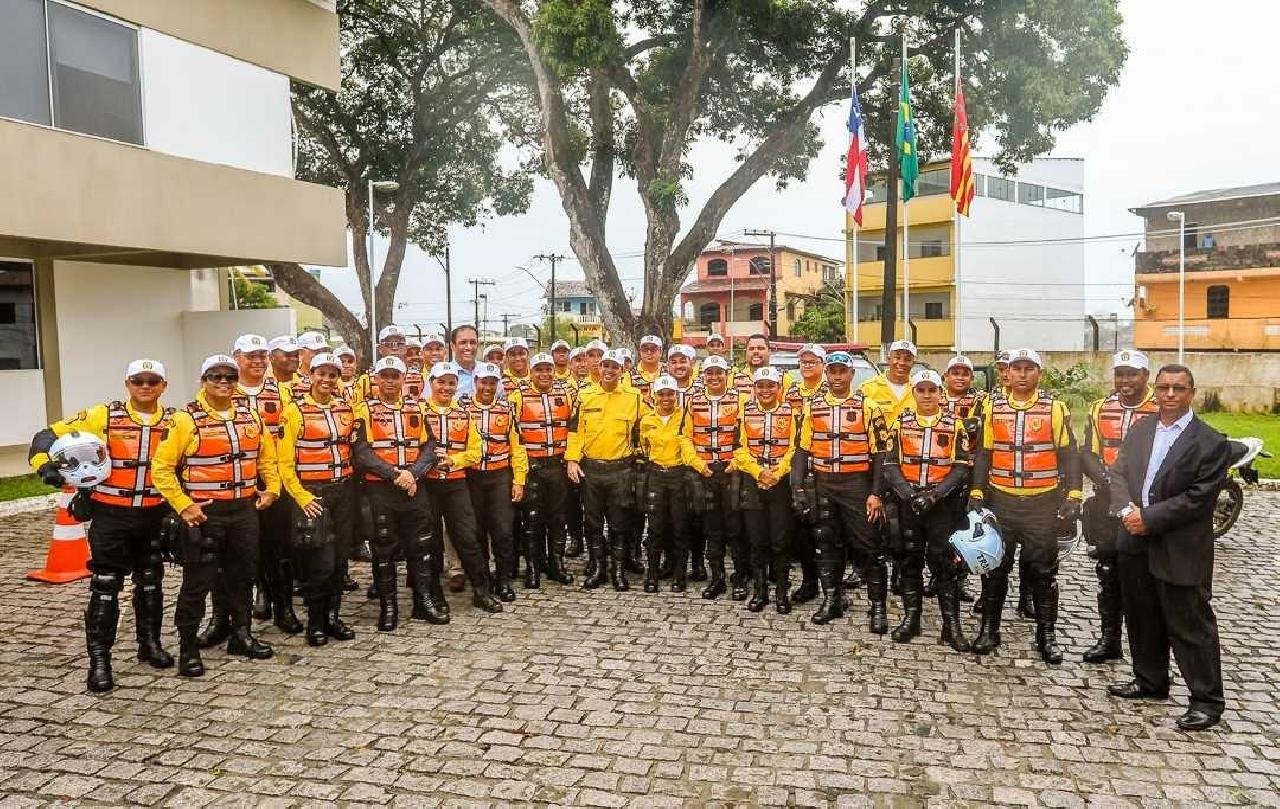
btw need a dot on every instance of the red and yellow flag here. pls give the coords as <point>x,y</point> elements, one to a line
<point>961,160</point>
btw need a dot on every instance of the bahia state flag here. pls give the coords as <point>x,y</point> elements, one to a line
<point>855,172</point>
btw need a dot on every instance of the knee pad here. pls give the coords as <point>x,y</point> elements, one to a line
<point>304,531</point>
<point>148,575</point>
<point>108,583</point>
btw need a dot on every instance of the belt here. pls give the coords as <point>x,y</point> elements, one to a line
<point>666,470</point>
<point>547,462</point>
<point>591,463</point>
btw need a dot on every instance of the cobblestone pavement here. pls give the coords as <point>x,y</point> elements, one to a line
<point>610,699</point>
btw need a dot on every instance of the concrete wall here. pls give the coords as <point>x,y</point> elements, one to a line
<point>1243,382</point>
<point>205,333</point>
<point>24,410</point>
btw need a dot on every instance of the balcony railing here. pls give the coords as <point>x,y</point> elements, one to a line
<point>1202,259</point>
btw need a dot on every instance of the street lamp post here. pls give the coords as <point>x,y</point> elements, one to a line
<point>1181,218</point>
<point>374,186</point>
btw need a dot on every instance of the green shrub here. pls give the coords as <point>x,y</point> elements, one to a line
<point>1075,385</point>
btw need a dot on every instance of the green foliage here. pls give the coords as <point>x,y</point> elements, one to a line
<point>564,331</point>
<point>1260,425</point>
<point>823,319</point>
<point>1076,385</point>
<point>253,295</point>
<point>576,34</point>
<point>16,488</point>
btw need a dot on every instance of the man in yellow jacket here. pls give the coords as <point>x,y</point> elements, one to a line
<point>208,467</point>
<point>891,388</point>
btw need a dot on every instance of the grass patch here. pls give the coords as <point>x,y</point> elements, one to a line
<point>1239,425</point>
<point>16,488</point>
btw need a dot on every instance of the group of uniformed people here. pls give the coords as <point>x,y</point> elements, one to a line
<point>660,465</point>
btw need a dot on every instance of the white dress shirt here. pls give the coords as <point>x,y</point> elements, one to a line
<point>1164,438</point>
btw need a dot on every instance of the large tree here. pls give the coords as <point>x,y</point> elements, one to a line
<point>431,90</point>
<point>628,86</point>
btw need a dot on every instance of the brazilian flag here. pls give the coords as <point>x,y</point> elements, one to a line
<point>908,158</point>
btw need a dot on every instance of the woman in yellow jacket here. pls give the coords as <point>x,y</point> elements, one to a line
<point>666,471</point>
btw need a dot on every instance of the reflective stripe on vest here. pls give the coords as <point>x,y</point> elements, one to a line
<point>715,424</point>
<point>841,442</point>
<point>414,384</point>
<point>543,421</point>
<point>1023,452</point>
<point>131,446</point>
<point>393,433</point>
<point>1113,423</point>
<point>224,465</point>
<point>323,447</point>
<point>926,454</point>
<point>494,425</point>
<point>450,429</point>
<point>769,432</point>
<point>267,403</point>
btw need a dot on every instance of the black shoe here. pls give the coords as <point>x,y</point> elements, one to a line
<point>483,599</point>
<point>349,585</point>
<point>1107,648</point>
<point>285,619</point>
<point>678,584</point>
<point>99,678</point>
<point>853,581</point>
<point>425,609</point>
<point>759,594</point>
<point>1195,719</point>
<point>1026,606</point>
<point>807,591</point>
<point>261,602</point>
<point>333,624</point>
<point>908,628</point>
<point>216,631</point>
<point>556,570</point>
<point>782,597</point>
<point>244,644</point>
<point>502,589</point>
<point>878,617</point>
<point>650,585</point>
<point>388,613</point>
<point>148,609</point>
<point>667,569</point>
<point>153,654</point>
<point>618,577</point>
<point>1131,690</point>
<point>189,662</point>
<point>634,566</point>
<point>532,576</point>
<point>715,589</point>
<point>315,624</point>
<point>1047,643</point>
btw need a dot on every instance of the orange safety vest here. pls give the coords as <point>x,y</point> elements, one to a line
<point>543,421</point>
<point>393,433</point>
<point>450,429</point>
<point>965,406</point>
<point>300,386</point>
<point>841,439</point>
<point>798,400</point>
<point>642,385</point>
<point>323,447</point>
<point>510,384</point>
<point>1113,423</point>
<point>769,432</point>
<point>414,384</point>
<point>224,465</point>
<point>926,454</point>
<point>1023,452</point>
<point>131,446</point>
<point>715,424</point>
<point>267,402</point>
<point>493,422</point>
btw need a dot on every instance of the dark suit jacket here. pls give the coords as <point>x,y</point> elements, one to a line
<point>1179,538</point>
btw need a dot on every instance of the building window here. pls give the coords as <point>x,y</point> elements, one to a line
<point>709,313</point>
<point>791,309</point>
<point>717,266</point>
<point>755,311</point>
<point>17,317</point>
<point>979,185</point>
<point>797,268</point>
<point>582,307</point>
<point>24,62</point>
<point>1001,188</point>
<point>1062,200</point>
<point>1031,194</point>
<point>1217,302</point>
<point>933,310</point>
<point>937,181</point>
<point>759,265</point>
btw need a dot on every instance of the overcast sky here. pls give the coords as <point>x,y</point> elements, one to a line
<point>1195,108</point>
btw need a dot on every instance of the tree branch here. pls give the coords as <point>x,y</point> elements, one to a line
<point>299,283</point>
<point>602,134</point>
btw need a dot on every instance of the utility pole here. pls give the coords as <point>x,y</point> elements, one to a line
<point>484,318</point>
<point>506,324</point>
<point>773,279</point>
<point>551,288</point>
<point>476,283</point>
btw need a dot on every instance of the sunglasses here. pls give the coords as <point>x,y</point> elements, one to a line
<point>230,377</point>
<point>145,381</point>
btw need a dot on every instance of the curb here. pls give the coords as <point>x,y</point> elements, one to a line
<point>26,505</point>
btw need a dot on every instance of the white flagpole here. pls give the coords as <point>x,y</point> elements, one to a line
<point>906,240</point>
<point>851,229</point>
<point>955,215</point>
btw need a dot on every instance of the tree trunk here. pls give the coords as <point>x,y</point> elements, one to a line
<point>299,283</point>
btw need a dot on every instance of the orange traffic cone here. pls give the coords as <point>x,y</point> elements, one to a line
<point>68,549</point>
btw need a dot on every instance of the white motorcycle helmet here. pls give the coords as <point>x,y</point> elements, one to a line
<point>979,544</point>
<point>81,458</point>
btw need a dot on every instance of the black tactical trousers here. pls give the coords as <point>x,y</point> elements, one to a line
<point>667,510</point>
<point>607,492</point>
<point>495,516</point>
<point>222,552</point>
<point>768,521</point>
<point>722,524</point>
<point>544,508</point>
<point>324,542</point>
<point>450,503</point>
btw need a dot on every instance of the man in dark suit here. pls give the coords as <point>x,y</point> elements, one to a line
<point>1164,487</point>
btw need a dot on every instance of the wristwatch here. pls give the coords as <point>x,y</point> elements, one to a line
<point>1126,511</point>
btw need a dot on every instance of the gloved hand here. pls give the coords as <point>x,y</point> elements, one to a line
<point>50,474</point>
<point>171,532</point>
<point>976,503</point>
<point>1070,511</point>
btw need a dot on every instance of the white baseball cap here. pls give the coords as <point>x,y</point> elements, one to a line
<point>489,349</point>
<point>664,382</point>
<point>541,359</point>
<point>614,356</point>
<point>389,364</point>
<point>285,343</point>
<point>515,342</point>
<point>683,350</point>
<point>715,362</point>
<point>432,338</point>
<point>412,342</point>
<point>596,345</point>
<point>344,351</point>
<point>814,349</point>
<point>959,361</point>
<point>716,337</point>
<point>145,367</point>
<point>444,369</point>
<point>576,352</point>
<point>390,331</point>
<point>1002,357</point>
<point>903,345</point>
<point>625,353</point>
<point>651,340</point>
<point>766,374</point>
<point>558,344</point>
<point>484,370</point>
<point>313,341</point>
<point>325,359</point>
<point>1131,359</point>
<point>246,343</point>
<point>218,361</point>
<point>926,375</point>
<point>1025,355</point>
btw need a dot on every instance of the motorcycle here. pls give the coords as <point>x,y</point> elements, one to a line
<point>1231,499</point>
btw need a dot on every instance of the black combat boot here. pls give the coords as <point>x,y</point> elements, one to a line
<point>782,592</point>
<point>651,571</point>
<point>574,547</point>
<point>759,591</point>
<point>189,662</point>
<point>262,599</point>
<point>666,565</point>
<point>715,587</point>
<point>243,644</point>
<point>316,635</point>
<point>877,578</point>
<point>384,578</point>
<point>699,568</point>
<point>333,625</point>
<point>428,595</point>
<point>634,545</point>
<point>1046,594</point>
<point>218,628</point>
<point>618,566</point>
<point>679,573</point>
<point>912,602</point>
<point>557,571</point>
<point>596,574</point>
<point>532,570</point>
<point>483,598</point>
<point>994,590</point>
<point>1109,613</point>
<point>738,583</point>
<point>1026,595</point>
<point>949,606</point>
<point>148,612</point>
<point>502,586</point>
<point>808,589</point>
<point>282,600</point>
<point>100,620</point>
<point>832,605</point>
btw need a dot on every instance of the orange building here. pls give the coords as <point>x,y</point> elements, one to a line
<point>1231,246</point>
